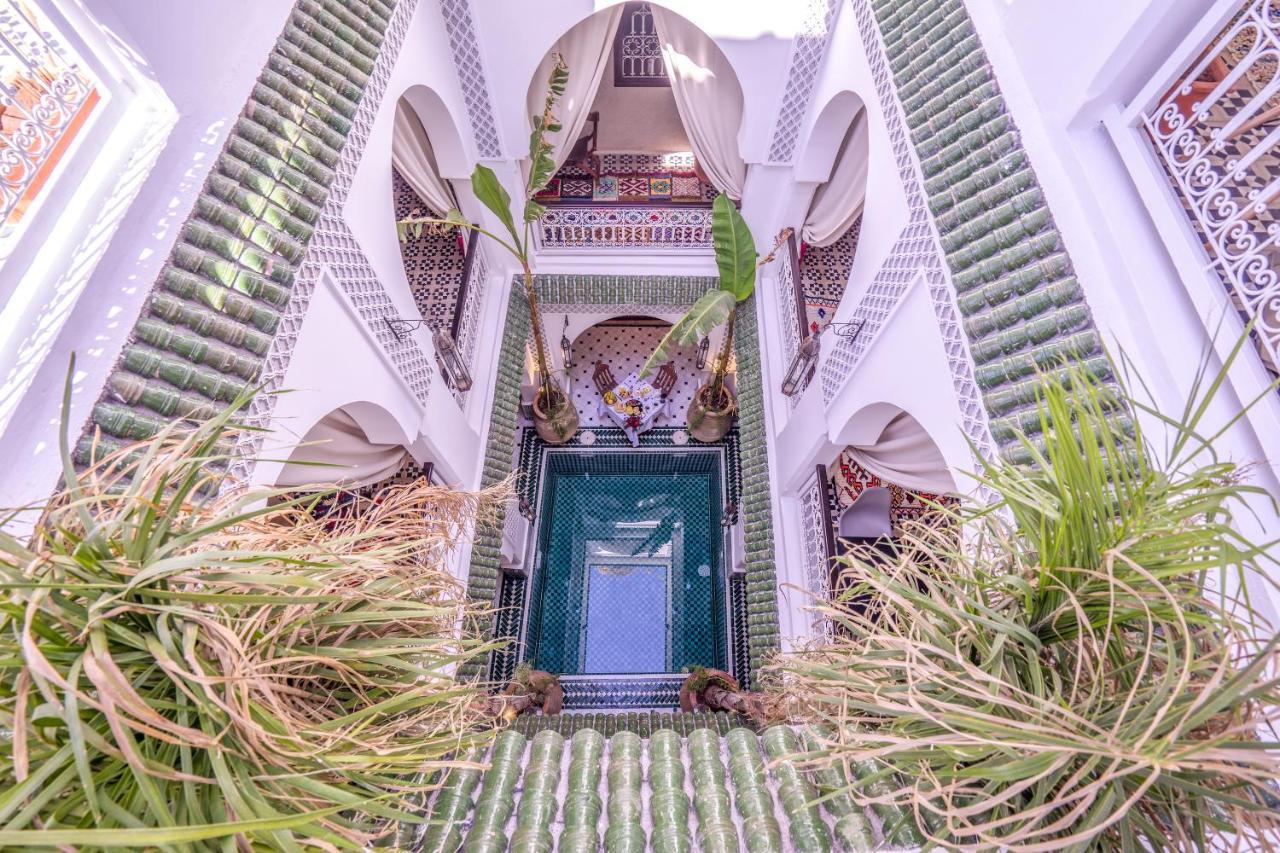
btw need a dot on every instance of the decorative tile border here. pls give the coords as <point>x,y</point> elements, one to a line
<point>649,228</point>
<point>460,24</point>
<point>916,253</point>
<point>624,295</point>
<point>611,692</point>
<point>335,249</point>
<point>1007,300</point>
<point>532,447</point>
<point>228,307</point>
<point>807,53</point>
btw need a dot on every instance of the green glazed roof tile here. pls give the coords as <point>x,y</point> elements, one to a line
<point>678,790</point>
<point>205,331</point>
<point>1021,306</point>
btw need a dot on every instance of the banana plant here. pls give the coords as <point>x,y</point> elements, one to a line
<point>737,262</point>
<point>559,421</point>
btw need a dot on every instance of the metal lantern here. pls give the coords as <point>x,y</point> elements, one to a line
<point>704,346</point>
<point>454,368</point>
<point>566,349</point>
<point>801,368</point>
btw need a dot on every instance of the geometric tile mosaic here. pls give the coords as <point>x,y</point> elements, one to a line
<point>433,263</point>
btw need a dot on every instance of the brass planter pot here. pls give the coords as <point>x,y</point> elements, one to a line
<point>707,424</point>
<point>559,425</point>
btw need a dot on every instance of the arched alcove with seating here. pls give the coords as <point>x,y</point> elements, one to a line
<point>650,118</point>
<point>891,475</point>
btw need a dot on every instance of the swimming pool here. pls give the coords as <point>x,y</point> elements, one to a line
<point>629,576</point>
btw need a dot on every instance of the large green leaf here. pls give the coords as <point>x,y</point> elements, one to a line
<point>542,166</point>
<point>703,316</point>
<point>735,248</point>
<point>487,187</point>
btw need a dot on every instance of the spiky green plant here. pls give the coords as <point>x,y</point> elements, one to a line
<point>182,670</point>
<point>1078,666</point>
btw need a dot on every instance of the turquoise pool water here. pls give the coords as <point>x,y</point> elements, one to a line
<point>630,577</point>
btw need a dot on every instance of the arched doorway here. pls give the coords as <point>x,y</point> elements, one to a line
<point>650,116</point>
<point>838,156</point>
<point>876,488</point>
<point>427,157</point>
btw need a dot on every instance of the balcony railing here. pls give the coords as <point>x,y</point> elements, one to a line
<point>682,228</point>
<point>1217,136</point>
<point>46,97</point>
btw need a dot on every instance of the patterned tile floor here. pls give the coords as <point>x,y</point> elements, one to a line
<point>824,272</point>
<point>624,349</point>
<point>432,263</point>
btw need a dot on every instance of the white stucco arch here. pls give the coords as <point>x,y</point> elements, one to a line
<point>442,129</point>
<point>818,154</point>
<point>539,86</point>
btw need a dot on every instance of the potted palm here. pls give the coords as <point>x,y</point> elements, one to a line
<point>713,408</point>
<point>554,416</point>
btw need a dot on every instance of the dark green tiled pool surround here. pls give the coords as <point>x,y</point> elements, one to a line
<point>628,292</point>
<point>630,577</point>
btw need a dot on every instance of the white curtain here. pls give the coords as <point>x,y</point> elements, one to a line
<point>413,158</point>
<point>586,51</point>
<point>345,453</point>
<point>837,204</point>
<point>708,99</point>
<point>904,454</point>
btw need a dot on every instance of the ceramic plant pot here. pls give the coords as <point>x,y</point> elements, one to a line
<point>560,423</point>
<point>707,423</point>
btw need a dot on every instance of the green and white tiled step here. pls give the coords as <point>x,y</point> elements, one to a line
<point>1022,306</point>
<point>204,334</point>
<point>701,789</point>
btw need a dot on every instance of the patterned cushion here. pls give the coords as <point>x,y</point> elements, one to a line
<point>551,190</point>
<point>576,188</point>
<point>686,188</point>
<point>606,188</point>
<point>660,186</point>
<point>633,186</point>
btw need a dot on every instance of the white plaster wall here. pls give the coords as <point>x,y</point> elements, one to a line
<point>205,57</point>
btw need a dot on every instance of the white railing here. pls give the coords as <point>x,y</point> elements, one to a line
<point>1216,133</point>
<point>46,96</point>
<point>639,227</point>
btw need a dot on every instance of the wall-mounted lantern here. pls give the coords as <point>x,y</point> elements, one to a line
<point>805,362</point>
<point>455,370</point>
<point>800,371</point>
<point>566,348</point>
<point>704,347</point>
